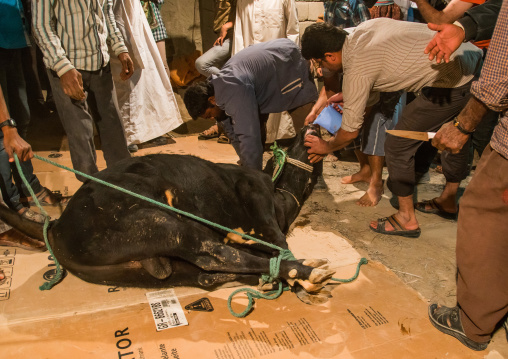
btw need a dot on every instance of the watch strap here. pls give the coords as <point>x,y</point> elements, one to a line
<point>456,123</point>
<point>8,122</point>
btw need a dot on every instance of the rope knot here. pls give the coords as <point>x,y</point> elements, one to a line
<point>279,157</point>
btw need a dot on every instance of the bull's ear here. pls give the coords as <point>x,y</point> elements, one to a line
<point>211,100</point>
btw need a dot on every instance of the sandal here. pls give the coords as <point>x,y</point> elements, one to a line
<point>223,139</point>
<point>47,198</point>
<point>398,229</point>
<point>447,320</point>
<point>212,132</point>
<point>32,215</point>
<point>435,208</point>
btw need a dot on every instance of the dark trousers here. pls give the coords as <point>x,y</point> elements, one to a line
<point>13,86</point>
<point>255,159</point>
<point>482,248</point>
<point>427,113</point>
<point>78,118</point>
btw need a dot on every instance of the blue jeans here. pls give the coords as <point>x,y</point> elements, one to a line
<point>211,61</point>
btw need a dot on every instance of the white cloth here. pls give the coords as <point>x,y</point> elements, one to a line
<point>148,108</point>
<point>265,20</point>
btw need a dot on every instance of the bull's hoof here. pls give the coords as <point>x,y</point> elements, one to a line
<point>320,276</point>
<point>317,280</point>
<point>317,298</point>
<point>322,263</point>
<point>158,267</point>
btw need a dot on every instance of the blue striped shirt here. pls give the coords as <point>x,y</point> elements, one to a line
<point>76,33</point>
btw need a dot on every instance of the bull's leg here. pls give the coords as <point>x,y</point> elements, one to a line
<point>217,257</point>
<point>135,274</point>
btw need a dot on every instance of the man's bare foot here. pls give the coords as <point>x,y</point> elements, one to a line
<point>372,196</point>
<point>360,176</point>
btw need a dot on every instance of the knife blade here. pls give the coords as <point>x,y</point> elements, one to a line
<point>414,135</point>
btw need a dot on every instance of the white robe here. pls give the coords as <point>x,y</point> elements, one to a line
<point>265,20</point>
<point>148,108</point>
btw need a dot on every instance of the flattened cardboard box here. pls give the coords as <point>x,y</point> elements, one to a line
<point>375,315</point>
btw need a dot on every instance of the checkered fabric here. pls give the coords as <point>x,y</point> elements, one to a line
<point>159,33</point>
<point>492,87</point>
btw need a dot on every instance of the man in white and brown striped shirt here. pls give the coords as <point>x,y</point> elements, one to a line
<point>74,38</point>
<point>385,55</point>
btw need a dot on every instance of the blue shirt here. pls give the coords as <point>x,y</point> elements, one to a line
<point>264,78</point>
<point>13,33</point>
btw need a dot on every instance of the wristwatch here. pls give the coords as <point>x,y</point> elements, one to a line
<point>9,122</point>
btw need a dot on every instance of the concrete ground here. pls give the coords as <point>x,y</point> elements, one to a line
<point>426,264</point>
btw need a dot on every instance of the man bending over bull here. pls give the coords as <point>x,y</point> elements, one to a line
<point>265,78</point>
<point>385,55</point>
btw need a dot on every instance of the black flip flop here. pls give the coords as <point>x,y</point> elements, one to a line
<point>435,208</point>
<point>399,230</point>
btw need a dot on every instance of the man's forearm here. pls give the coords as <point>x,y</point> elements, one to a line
<point>341,139</point>
<point>429,13</point>
<point>472,114</point>
<point>4,112</point>
<point>479,21</point>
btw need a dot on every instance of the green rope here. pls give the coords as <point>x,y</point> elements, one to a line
<point>279,156</point>
<point>362,261</point>
<point>58,276</point>
<point>252,293</point>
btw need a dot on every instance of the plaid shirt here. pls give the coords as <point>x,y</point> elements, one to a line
<point>345,13</point>
<point>492,87</point>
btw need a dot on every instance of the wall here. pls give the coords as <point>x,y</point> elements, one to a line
<point>190,23</point>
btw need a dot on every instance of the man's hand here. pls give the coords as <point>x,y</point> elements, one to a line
<point>445,42</point>
<point>449,138</point>
<point>13,143</point>
<point>223,33</point>
<point>311,117</point>
<point>127,66</point>
<point>72,85</point>
<point>318,148</point>
<point>337,101</point>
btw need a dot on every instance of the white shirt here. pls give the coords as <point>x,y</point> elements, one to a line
<point>264,20</point>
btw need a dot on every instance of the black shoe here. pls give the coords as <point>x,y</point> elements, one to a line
<point>447,320</point>
<point>132,148</point>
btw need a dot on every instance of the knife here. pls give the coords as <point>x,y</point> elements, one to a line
<point>414,135</point>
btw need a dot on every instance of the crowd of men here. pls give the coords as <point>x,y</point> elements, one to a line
<point>452,95</point>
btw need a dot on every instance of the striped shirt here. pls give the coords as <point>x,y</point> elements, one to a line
<point>75,33</point>
<point>385,55</point>
<point>492,87</point>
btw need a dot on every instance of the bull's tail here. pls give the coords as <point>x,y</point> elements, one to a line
<point>15,220</point>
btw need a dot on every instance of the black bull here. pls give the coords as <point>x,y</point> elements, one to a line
<point>107,237</point>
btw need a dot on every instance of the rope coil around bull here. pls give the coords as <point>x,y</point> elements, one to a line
<point>285,254</point>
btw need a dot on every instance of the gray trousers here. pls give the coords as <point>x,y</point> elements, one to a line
<point>428,112</point>
<point>78,117</point>
<point>211,61</point>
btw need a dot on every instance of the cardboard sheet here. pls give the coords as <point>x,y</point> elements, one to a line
<point>374,316</point>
